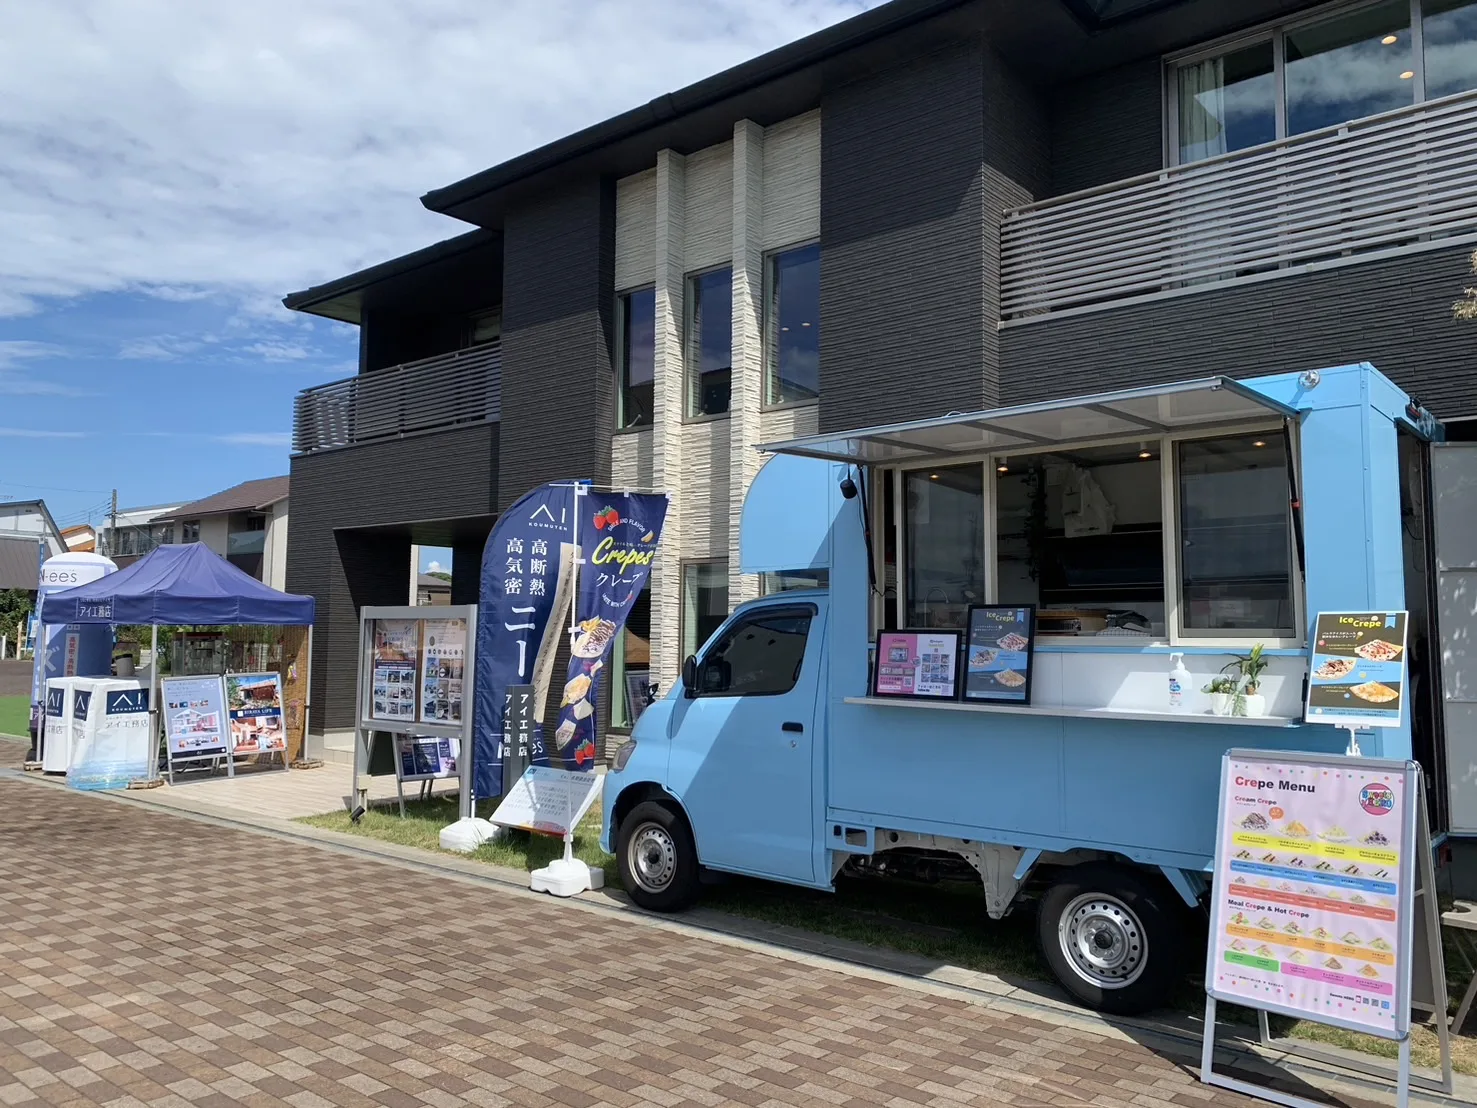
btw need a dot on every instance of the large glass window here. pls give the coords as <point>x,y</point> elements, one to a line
<point>1449,43</point>
<point>704,603</point>
<point>709,342</point>
<point>945,536</point>
<point>1350,66</point>
<point>771,583</point>
<point>760,655</point>
<point>1227,102</point>
<point>1083,531</point>
<point>1235,537</point>
<point>1343,67</point>
<point>636,322</point>
<point>793,325</point>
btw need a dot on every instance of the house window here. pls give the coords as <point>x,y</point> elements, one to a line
<point>759,655</point>
<point>945,544</point>
<point>636,347</point>
<point>793,325</point>
<point>709,342</point>
<point>190,531</point>
<point>1235,537</point>
<point>771,583</point>
<point>1332,69</point>
<point>704,603</point>
<point>486,327</point>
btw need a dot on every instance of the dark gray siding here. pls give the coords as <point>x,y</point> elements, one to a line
<point>335,496</point>
<point>558,403</point>
<point>904,239</point>
<point>1107,127</point>
<point>1394,313</point>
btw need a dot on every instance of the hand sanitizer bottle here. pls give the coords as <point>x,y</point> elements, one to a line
<point>1179,682</point>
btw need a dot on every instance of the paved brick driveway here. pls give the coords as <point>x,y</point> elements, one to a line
<point>150,959</point>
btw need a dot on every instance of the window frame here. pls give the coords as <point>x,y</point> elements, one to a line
<point>621,361</point>
<point>1276,31</point>
<point>184,529</point>
<point>682,567</point>
<point>768,316</point>
<point>691,357</point>
<point>799,608</point>
<point>1166,445</point>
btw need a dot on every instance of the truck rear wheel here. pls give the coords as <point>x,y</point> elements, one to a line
<point>1114,939</point>
<point>657,858</point>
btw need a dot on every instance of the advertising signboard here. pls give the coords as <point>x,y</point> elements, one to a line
<point>1311,910</point>
<point>425,757</point>
<point>254,705</point>
<point>396,656</point>
<point>194,717</point>
<point>919,665</point>
<point>548,800</point>
<point>445,657</point>
<point>998,653</point>
<point>1357,673</point>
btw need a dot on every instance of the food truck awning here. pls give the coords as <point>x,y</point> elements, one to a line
<point>1150,411</point>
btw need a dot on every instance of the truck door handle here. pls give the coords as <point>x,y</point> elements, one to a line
<point>797,727</point>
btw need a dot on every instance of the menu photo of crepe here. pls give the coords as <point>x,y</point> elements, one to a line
<point>1010,679</point>
<point>1334,668</point>
<point>1296,830</point>
<point>1013,642</point>
<point>1255,821</point>
<point>1378,650</point>
<point>1368,971</point>
<point>594,636</point>
<point>1375,692</point>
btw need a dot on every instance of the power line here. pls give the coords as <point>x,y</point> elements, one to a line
<point>54,488</point>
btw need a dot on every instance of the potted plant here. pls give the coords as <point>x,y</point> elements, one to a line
<point>1222,690</point>
<point>1249,699</point>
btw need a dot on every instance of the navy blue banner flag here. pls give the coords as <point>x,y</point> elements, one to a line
<point>618,535</point>
<point>520,575</point>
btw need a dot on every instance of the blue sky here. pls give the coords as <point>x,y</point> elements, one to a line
<point>169,169</point>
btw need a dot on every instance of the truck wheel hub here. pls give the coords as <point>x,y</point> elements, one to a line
<point>653,857</point>
<point>1103,941</point>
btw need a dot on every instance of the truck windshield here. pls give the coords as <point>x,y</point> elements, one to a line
<point>759,655</point>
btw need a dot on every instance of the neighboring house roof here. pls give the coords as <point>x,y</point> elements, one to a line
<point>81,538</point>
<point>427,581</point>
<point>20,568</point>
<point>147,513</point>
<point>17,507</point>
<point>249,496</point>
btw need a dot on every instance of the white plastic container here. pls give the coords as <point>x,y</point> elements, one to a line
<point>1179,683</point>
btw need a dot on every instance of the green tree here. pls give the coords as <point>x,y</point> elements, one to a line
<point>1466,307</point>
<point>15,606</point>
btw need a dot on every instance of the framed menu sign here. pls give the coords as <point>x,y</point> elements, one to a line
<point>917,665</point>
<point>1356,675</point>
<point>999,649</point>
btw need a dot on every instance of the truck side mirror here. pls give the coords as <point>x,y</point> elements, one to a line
<point>689,676</point>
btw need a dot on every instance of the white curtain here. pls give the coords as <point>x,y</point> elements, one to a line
<point>1202,110</point>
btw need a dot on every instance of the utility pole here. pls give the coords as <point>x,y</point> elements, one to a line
<point>113,524</point>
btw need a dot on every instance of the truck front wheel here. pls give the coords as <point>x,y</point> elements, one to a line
<point>657,858</point>
<point>1113,939</point>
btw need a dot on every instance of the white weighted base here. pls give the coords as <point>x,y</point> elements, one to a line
<point>466,835</point>
<point>566,877</point>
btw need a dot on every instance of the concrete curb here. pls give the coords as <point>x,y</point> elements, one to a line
<point>1177,1038</point>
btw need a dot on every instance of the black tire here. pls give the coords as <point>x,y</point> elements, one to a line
<point>657,858</point>
<point>1114,938</point>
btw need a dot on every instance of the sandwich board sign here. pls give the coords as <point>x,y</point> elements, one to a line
<point>1313,900</point>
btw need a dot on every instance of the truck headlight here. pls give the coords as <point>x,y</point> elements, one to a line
<point>623,755</point>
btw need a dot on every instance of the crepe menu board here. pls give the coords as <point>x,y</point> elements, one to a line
<point>1357,672</point>
<point>998,653</point>
<point>1312,897</point>
<point>921,665</point>
<point>396,646</point>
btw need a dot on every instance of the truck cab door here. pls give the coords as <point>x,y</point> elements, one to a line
<point>743,741</point>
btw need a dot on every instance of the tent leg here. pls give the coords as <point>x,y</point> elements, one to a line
<point>154,715</point>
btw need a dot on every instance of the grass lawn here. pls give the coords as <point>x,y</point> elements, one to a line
<point>15,715</point>
<point>946,924</point>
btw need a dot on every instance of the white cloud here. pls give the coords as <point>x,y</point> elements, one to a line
<point>159,348</point>
<point>184,149</point>
<point>274,351</point>
<point>33,433</point>
<point>278,439</point>
<point>15,380</point>
<point>434,567</point>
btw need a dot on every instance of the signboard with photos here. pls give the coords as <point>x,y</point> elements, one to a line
<point>917,665</point>
<point>1357,669</point>
<point>998,653</point>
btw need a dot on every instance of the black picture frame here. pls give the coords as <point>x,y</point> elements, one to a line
<point>1021,697</point>
<point>878,661</point>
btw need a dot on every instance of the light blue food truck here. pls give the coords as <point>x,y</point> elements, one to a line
<point>1195,519</point>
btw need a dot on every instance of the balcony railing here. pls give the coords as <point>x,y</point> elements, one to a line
<point>1388,182</point>
<point>444,391</point>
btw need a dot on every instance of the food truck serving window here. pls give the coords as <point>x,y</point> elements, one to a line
<point>1151,514</point>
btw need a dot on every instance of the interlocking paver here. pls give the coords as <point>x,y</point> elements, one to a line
<point>157,961</point>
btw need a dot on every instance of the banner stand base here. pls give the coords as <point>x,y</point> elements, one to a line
<point>1208,1076</point>
<point>566,876</point>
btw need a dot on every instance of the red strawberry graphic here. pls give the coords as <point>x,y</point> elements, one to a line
<point>600,522</point>
<point>585,752</point>
<point>612,517</point>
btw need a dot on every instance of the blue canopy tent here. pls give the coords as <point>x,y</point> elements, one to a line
<point>180,586</point>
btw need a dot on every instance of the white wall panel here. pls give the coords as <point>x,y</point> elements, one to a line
<point>635,230</point>
<point>792,181</point>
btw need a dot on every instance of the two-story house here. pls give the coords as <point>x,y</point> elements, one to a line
<point>937,206</point>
